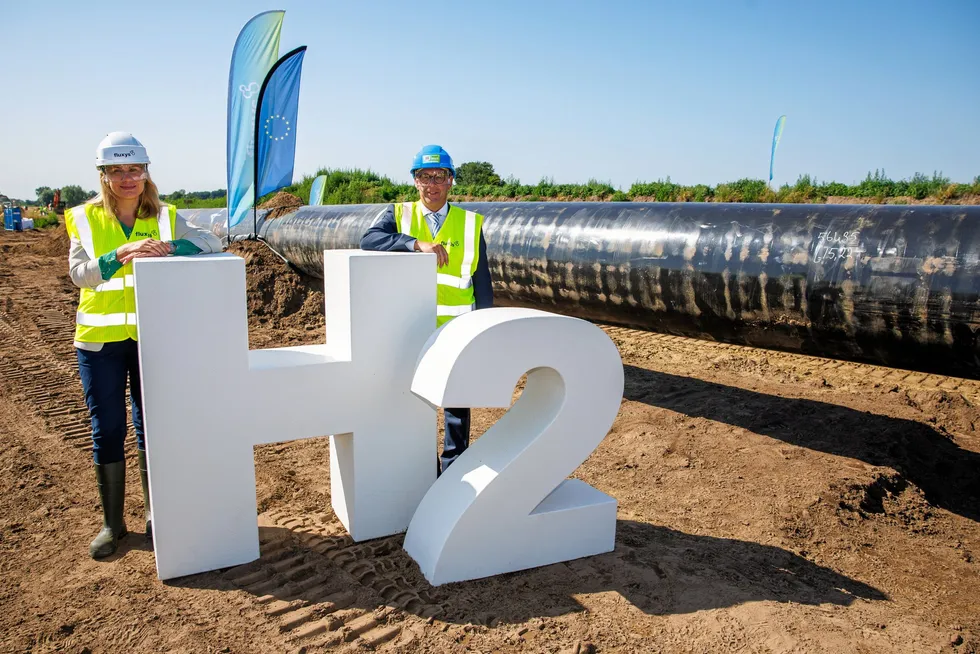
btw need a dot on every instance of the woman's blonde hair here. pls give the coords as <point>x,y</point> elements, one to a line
<point>149,206</point>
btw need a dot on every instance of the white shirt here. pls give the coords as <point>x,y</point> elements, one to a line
<point>435,220</point>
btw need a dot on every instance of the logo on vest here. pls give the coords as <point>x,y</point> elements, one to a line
<point>449,244</point>
<point>143,234</point>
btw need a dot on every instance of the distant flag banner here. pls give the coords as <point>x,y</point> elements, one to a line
<point>275,123</point>
<point>776,135</point>
<point>316,190</point>
<point>256,51</point>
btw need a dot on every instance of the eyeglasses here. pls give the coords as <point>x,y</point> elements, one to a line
<point>118,174</point>
<point>432,178</point>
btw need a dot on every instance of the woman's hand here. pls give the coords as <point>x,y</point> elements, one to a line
<point>149,247</point>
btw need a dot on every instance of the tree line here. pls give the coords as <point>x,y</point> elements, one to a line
<point>477,180</point>
<point>71,195</point>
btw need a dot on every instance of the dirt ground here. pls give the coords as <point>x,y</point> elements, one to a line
<point>768,502</point>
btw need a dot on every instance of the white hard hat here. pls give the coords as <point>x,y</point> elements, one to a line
<point>120,148</point>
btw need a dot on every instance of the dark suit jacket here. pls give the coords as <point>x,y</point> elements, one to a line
<point>384,236</point>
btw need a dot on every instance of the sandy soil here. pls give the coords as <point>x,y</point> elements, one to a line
<point>768,502</point>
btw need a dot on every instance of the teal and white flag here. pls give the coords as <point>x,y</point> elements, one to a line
<point>776,135</point>
<point>256,51</point>
<point>316,190</point>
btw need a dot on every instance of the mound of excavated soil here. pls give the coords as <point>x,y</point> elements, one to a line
<point>57,242</point>
<point>280,204</point>
<point>283,304</point>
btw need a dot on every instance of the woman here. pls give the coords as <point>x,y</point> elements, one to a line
<point>125,221</point>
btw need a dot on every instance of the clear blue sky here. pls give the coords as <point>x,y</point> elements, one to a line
<point>617,91</point>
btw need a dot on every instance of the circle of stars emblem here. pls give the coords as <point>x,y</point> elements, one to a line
<point>270,125</point>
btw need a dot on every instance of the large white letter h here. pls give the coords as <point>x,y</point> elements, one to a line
<point>208,400</point>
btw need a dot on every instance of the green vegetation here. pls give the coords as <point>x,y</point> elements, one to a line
<point>351,187</point>
<point>45,195</point>
<point>196,199</point>
<point>478,181</point>
<point>73,195</point>
<point>194,203</point>
<point>477,173</point>
<point>46,219</point>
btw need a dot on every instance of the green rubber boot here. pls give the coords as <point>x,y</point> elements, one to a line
<point>145,481</point>
<point>112,490</point>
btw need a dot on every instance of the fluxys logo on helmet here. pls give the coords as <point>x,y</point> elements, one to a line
<point>131,153</point>
<point>430,158</point>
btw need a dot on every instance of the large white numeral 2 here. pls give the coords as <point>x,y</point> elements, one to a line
<point>506,504</point>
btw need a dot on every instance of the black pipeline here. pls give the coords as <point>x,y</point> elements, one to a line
<point>890,284</point>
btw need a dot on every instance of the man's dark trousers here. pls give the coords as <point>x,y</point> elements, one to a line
<point>457,436</point>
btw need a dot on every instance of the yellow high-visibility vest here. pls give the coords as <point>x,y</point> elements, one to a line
<point>460,235</point>
<point>107,313</point>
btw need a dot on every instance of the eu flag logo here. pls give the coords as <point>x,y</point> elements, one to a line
<point>277,128</point>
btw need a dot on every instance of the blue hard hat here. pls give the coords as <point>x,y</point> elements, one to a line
<point>432,156</point>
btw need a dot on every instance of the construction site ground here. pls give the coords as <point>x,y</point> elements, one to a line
<point>768,503</point>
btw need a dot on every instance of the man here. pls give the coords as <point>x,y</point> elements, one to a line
<point>455,236</point>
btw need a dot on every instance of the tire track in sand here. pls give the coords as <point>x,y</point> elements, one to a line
<point>322,589</point>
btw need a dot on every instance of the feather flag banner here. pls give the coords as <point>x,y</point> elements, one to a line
<point>776,135</point>
<point>256,51</point>
<point>275,124</point>
<point>316,190</point>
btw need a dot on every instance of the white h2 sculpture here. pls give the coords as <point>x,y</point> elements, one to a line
<point>504,505</point>
<point>208,400</point>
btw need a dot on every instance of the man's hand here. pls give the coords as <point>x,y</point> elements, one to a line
<point>442,257</point>
<point>149,247</point>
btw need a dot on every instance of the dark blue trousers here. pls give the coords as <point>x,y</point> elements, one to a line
<point>104,375</point>
<point>457,436</point>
